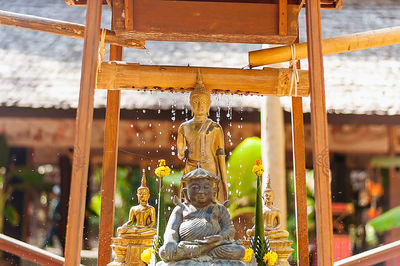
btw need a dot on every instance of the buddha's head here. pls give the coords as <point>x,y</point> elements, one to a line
<point>200,188</point>
<point>200,99</point>
<point>268,194</point>
<point>143,192</point>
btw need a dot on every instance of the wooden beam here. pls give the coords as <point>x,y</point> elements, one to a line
<point>269,81</point>
<point>319,130</point>
<point>336,45</point>
<point>299,169</point>
<point>299,165</point>
<point>372,256</point>
<point>283,27</point>
<point>209,21</point>
<point>110,155</point>
<point>84,119</point>
<point>129,10</point>
<point>29,252</point>
<point>58,27</point>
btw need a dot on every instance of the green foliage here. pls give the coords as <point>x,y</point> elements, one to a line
<point>240,176</point>
<point>259,243</point>
<point>29,179</point>
<point>261,248</point>
<point>161,222</point>
<point>386,221</point>
<point>11,215</point>
<point>95,204</point>
<point>4,152</point>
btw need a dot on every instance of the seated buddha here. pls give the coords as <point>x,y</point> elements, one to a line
<point>272,216</point>
<point>200,230</point>
<point>144,214</point>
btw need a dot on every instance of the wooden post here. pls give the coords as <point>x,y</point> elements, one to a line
<point>319,129</point>
<point>283,17</point>
<point>394,189</point>
<point>84,119</point>
<point>299,167</point>
<point>110,156</point>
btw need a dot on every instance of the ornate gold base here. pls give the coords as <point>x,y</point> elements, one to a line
<point>129,249</point>
<point>278,243</point>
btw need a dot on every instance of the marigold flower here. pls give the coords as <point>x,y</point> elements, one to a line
<point>146,255</point>
<point>248,255</point>
<point>271,258</point>
<point>162,170</point>
<point>258,168</point>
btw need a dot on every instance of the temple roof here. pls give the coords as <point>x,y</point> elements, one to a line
<point>43,70</point>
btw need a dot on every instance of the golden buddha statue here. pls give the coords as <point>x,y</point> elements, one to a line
<point>137,233</point>
<point>201,140</point>
<point>144,214</point>
<point>278,238</point>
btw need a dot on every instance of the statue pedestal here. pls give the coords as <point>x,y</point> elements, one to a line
<point>281,245</point>
<point>129,248</point>
<point>216,262</point>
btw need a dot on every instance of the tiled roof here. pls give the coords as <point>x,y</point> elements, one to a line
<point>43,70</point>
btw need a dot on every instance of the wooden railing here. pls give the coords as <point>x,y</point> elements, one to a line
<point>29,252</point>
<point>372,256</point>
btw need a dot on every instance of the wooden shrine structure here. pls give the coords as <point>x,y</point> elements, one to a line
<point>244,21</point>
<point>229,21</point>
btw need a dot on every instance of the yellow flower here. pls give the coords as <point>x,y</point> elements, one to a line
<point>248,255</point>
<point>258,169</point>
<point>271,258</point>
<point>146,255</point>
<point>162,170</point>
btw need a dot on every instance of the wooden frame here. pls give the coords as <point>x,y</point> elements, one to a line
<point>137,28</point>
<point>211,21</point>
<point>269,81</point>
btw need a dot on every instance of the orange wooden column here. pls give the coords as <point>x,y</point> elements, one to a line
<point>299,166</point>
<point>319,129</point>
<point>110,156</point>
<point>84,119</point>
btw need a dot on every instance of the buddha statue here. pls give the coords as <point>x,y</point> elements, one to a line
<point>144,214</point>
<point>200,230</point>
<point>277,238</point>
<point>137,233</point>
<point>201,140</point>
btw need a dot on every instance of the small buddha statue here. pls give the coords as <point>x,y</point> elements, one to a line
<point>200,230</point>
<point>144,214</point>
<point>277,238</point>
<point>272,216</point>
<point>201,140</point>
<point>137,233</point>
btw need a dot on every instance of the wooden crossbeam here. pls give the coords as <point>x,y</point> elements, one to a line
<point>58,27</point>
<point>336,45</point>
<point>268,81</point>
